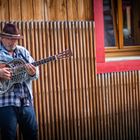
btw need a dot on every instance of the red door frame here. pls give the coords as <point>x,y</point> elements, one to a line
<point>102,66</point>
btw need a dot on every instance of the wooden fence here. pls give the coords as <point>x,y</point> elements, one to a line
<point>72,102</point>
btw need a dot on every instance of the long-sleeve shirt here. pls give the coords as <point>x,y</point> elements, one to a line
<point>19,94</point>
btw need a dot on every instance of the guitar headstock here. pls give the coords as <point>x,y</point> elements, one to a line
<point>65,54</point>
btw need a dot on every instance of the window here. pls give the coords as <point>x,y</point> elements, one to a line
<point>121,19</point>
<point>121,27</point>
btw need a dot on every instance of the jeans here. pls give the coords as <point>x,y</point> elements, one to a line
<point>24,116</point>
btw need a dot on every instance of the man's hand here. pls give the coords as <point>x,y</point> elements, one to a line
<point>5,73</point>
<point>31,70</point>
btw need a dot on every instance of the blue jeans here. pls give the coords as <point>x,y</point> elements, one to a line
<point>24,116</point>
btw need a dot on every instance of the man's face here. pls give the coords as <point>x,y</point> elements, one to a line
<point>9,43</point>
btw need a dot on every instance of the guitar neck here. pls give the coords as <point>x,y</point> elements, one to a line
<point>44,61</point>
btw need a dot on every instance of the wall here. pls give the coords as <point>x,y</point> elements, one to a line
<point>72,102</point>
<point>46,10</point>
<point>63,95</point>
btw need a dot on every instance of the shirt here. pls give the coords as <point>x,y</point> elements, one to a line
<point>20,94</point>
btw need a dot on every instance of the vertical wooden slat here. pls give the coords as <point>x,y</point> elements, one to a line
<point>49,85</point>
<point>51,80</point>
<point>67,85</point>
<point>60,84</point>
<point>137,104</point>
<point>70,41</point>
<point>88,82</point>
<point>92,76</point>
<point>81,66</point>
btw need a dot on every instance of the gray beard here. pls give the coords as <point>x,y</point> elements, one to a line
<point>10,48</point>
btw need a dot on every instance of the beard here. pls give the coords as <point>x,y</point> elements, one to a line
<point>10,48</point>
<point>8,44</point>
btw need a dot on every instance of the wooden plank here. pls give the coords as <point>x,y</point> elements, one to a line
<point>27,9</point>
<point>120,24</point>
<point>72,11</point>
<point>15,9</point>
<point>85,9</point>
<point>55,10</point>
<point>38,9</point>
<point>70,41</point>
<point>4,10</point>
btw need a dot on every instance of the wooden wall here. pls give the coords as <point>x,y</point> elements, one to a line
<point>72,102</point>
<point>64,92</point>
<point>118,106</point>
<point>46,10</point>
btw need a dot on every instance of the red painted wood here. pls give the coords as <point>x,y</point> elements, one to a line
<point>118,66</point>
<point>99,31</point>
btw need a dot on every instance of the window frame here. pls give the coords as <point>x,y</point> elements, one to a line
<point>120,47</point>
<point>102,65</point>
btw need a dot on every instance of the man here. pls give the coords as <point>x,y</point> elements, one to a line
<point>16,103</point>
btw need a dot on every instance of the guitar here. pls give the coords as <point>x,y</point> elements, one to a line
<point>19,74</point>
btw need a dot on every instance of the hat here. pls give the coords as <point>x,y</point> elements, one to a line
<point>10,31</point>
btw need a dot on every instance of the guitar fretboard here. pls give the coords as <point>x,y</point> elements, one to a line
<point>44,61</point>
